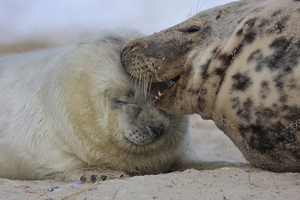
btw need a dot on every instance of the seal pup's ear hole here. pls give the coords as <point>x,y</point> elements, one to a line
<point>190,30</point>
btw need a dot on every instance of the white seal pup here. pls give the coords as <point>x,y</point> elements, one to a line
<point>65,110</point>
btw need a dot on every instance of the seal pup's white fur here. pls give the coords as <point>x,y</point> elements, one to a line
<point>62,110</point>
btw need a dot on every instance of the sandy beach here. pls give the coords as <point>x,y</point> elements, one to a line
<point>223,184</point>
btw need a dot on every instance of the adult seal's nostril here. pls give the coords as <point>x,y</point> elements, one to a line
<point>157,130</point>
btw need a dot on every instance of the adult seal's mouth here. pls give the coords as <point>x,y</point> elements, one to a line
<point>152,69</point>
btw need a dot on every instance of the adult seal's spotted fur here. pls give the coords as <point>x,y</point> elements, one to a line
<point>75,114</point>
<point>239,65</point>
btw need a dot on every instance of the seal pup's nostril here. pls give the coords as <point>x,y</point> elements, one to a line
<point>157,130</point>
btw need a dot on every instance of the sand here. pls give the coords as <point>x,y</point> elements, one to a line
<point>224,183</point>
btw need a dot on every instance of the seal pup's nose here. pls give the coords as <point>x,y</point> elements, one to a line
<point>157,130</point>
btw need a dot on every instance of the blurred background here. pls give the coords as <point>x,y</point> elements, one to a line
<point>34,24</point>
<point>27,25</point>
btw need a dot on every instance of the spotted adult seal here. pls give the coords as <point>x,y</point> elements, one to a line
<point>239,65</point>
<point>71,113</point>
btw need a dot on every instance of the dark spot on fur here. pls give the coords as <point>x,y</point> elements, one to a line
<point>218,16</point>
<point>280,25</point>
<point>220,71</point>
<point>265,89</point>
<point>288,69</point>
<point>280,43</point>
<point>286,56</point>
<point>248,103</point>
<point>277,12</point>
<point>203,92</point>
<point>204,68</point>
<point>279,81</point>
<point>201,103</point>
<point>257,137</point>
<point>215,50</point>
<point>249,37</point>
<point>241,82</point>
<point>268,113</point>
<point>251,22</point>
<point>257,54</point>
<point>275,127</point>
<point>235,102</point>
<point>293,114</point>
<point>265,85</point>
<point>244,111</point>
<point>239,32</point>
<point>283,98</point>
<point>193,91</point>
<point>226,59</point>
<point>238,50</point>
<point>263,23</point>
<point>220,84</point>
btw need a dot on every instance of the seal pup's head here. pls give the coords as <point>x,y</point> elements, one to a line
<point>142,122</point>
<point>114,113</point>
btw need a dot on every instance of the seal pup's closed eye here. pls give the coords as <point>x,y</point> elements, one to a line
<point>69,113</point>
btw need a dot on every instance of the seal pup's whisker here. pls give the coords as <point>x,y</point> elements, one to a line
<point>129,151</point>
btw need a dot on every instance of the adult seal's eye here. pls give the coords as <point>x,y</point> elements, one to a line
<point>190,30</point>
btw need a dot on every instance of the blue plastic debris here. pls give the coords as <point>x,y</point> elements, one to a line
<point>78,182</point>
<point>52,189</point>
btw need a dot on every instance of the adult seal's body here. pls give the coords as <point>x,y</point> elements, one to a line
<point>239,65</point>
<point>65,110</point>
